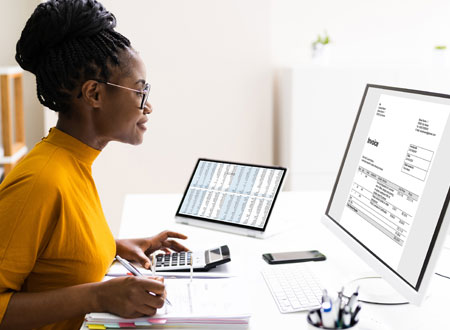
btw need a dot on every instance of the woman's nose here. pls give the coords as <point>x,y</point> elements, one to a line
<point>148,109</point>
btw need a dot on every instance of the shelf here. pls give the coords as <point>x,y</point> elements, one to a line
<point>14,158</point>
<point>12,122</point>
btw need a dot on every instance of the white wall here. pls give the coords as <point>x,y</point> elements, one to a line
<point>384,42</point>
<point>209,65</point>
<point>362,31</point>
<point>13,15</point>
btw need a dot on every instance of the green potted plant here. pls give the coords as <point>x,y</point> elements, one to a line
<point>321,48</point>
<point>321,41</point>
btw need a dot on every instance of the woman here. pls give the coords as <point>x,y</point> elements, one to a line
<point>55,244</point>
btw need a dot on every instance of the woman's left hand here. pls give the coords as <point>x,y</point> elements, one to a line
<point>138,249</point>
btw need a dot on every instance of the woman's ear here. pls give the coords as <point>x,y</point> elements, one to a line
<point>92,93</point>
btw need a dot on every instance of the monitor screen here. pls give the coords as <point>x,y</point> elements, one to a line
<point>235,194</point>
<point>392,189</point>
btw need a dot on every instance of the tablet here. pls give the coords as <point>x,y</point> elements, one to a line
<point>229,196</point>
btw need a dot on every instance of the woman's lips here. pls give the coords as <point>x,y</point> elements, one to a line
<point>142,126</point>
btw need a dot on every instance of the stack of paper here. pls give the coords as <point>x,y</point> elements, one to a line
<point>206,303</point>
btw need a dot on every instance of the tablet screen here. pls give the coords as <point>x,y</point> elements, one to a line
<point>232,193</point>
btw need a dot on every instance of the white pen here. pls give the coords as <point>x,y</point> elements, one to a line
<point>128,266</point>
<point>346,316</point>
<point>133,270</point>
<point>325,296</point>
<point>353,300</point>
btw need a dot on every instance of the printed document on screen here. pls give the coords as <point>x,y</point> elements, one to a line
<point>392,173</point>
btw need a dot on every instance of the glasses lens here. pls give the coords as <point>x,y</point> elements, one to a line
<point>145,93</point>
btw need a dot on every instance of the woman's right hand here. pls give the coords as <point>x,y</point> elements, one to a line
<point>131,296</point>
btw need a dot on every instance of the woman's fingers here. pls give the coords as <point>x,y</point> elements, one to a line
<point>152,285</point>
<point>174,245</point>
<point>172,234</point>
<point>150,300</point>
<point>146,310</point>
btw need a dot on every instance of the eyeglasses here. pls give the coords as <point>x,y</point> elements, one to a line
<point>144,92</point>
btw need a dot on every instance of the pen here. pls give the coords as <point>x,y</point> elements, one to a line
<point>133,270</point>
<point>353,300</point>
<point>354,315</point>
<point>337,308</point>
<point>325,296</point>
<point>346,316</point>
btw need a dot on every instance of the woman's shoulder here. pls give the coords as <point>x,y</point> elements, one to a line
<point>44,157</point>
<point>44,167</point>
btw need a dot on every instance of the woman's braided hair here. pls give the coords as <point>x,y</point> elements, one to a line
<point>66,42</point>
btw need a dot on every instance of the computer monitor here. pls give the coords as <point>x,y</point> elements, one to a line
<point>391,193</point>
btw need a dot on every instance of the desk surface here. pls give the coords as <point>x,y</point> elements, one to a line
<point>299,213</point>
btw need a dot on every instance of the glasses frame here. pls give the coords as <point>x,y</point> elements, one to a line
<point>145,91</point>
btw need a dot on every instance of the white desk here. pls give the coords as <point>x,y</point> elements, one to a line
<point>148,214</point>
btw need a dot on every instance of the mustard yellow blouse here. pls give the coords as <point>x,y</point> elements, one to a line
<point>53,232</point>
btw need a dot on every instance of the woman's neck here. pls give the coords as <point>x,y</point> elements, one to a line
<point>83,130</point>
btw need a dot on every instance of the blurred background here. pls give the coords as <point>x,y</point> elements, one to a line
<point>257,81</point>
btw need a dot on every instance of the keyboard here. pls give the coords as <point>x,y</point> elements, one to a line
<point>294,287</point>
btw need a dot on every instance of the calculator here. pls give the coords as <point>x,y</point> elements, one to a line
<point>201,260</point>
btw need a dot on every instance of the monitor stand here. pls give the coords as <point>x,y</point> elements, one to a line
<point>374,290</point>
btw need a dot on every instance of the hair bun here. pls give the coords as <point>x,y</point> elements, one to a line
<point>57,21</point>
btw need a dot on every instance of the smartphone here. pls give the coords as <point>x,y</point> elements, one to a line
<point>295,256</point>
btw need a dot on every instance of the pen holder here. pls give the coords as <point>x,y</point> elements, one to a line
<point>312,326</point>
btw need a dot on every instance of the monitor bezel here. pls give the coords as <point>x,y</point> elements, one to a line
<point>414,294</point>
<point>179,215</point>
